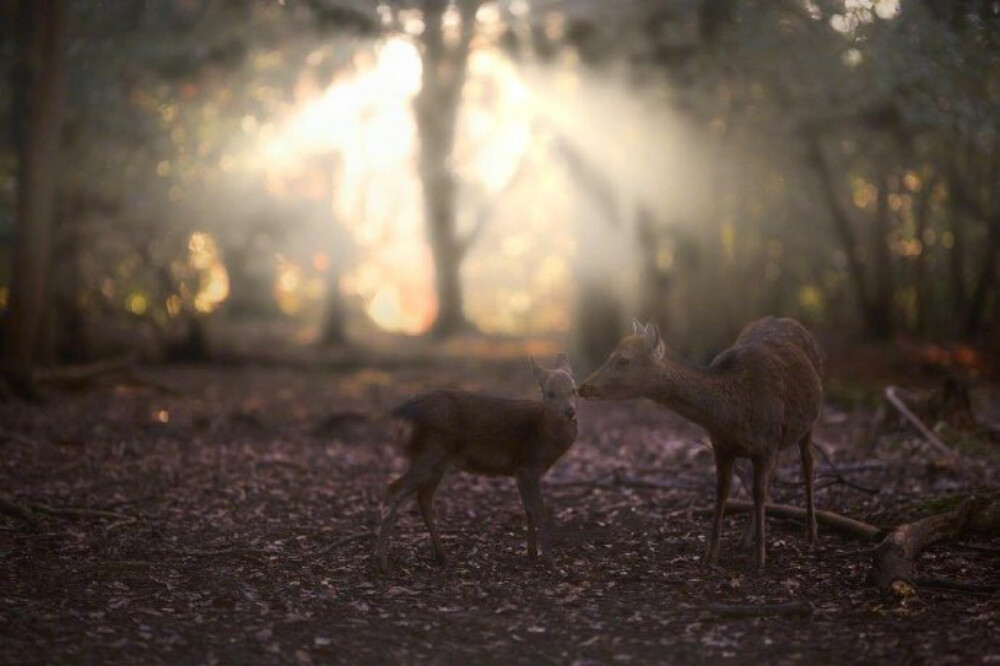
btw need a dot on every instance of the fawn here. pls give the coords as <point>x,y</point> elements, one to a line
<point>489,435</point>
<point>757,397</point>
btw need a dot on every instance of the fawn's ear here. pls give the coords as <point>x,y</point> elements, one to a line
<point>654,344</point>
<point>637,328</point>
<point>562,362</point>
<point>541,374</point>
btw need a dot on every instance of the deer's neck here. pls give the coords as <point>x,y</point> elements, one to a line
<point>698,394</point>
<point>559,430</point>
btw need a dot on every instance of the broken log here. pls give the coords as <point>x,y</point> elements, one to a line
<point>894,559</point>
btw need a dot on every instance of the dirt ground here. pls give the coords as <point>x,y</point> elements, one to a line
<point>226,515</point>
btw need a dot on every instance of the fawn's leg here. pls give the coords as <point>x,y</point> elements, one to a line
<point>805,445</point>
<point>422,470</point>
<point>529,485</point>
<point>425,499</point>
<point>723,483</point>
<point>762,469</point>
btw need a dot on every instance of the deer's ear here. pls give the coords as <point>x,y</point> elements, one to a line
<point>541,374</point>
<point>562,362</point>
<point>654,343</point>
<point>637,328</point>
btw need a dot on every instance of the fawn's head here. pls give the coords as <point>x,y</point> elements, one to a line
<point>630,370</point>
<point>558,388</point>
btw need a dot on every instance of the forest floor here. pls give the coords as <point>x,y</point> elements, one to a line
<point>226,515</point>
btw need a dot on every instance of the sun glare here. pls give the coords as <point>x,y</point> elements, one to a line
<point>213,280</point>
<point>365,118</point>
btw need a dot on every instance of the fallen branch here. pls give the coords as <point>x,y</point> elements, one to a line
<point>28,511</point>
<point>828,518</point>
<point>892,395</point>
<point>323,550</point>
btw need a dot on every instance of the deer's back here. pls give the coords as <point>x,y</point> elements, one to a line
<point>480,433</point>
<point>776,366</point>
<point>784,338</point>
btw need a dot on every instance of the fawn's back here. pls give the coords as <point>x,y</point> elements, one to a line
<point>485,434</point>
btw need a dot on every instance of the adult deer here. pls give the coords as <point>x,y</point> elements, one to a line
<point>761,395</point>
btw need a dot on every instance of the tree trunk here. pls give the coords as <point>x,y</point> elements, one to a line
<point>334,332</point>
<point>39,85</point>
<point>986,282</point>
<point>879,320</point>
<point>436,109</point>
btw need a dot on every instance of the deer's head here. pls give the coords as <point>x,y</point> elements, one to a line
<point>558,388</point>
<point>630,370</point>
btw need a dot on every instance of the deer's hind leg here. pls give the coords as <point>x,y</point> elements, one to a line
<point>763,468</point>
<point>425,499</point>
<point>425,471</point>
<point>747,540</point>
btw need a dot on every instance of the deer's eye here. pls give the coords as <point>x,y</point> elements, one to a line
<point>621,363</point>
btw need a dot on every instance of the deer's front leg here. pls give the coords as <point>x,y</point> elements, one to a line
<point>529,485</point>
<point>723,484</point>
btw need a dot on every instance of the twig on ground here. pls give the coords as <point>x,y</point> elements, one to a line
<point>757,610</point>
<point>949,585</point>
<point>28,511</point>
<point>978,548</point>
<point>837,474</point>
<point>18,510</point>
<point>18,438</point>
<point>77,512</point>
<point>323,550</point>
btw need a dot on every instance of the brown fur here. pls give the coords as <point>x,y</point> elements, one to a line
<point>483,434</point>
<point>761,395</point>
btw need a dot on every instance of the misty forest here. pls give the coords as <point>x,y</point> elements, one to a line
<point>689,310</point>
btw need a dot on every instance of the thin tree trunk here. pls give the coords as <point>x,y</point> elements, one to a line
<point>334,331</point>
<point>844,231</point>
<point>39,85</point>
<point>956,263</point>
<point>922,214</point>
<point>436,110</point>
<point>880,315</point>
